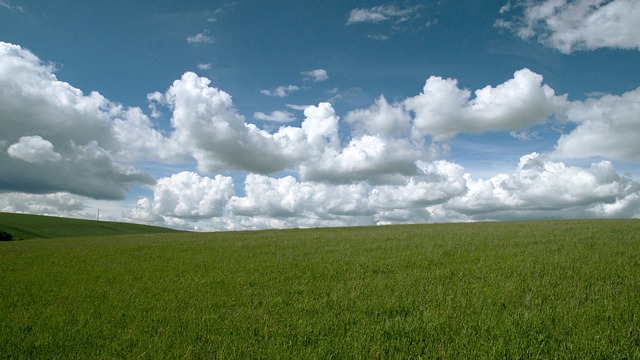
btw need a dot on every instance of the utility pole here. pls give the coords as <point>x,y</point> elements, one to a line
<point>98,217</point>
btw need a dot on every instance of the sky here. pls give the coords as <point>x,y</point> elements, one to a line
<point>240,115</point>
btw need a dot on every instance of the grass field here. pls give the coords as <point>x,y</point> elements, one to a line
<point>23,226</point>
<point>555,289</point>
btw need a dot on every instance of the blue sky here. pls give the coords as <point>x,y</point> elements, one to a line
<point>223,115</point>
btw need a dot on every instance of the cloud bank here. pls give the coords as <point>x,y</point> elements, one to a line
<point>377,165</point>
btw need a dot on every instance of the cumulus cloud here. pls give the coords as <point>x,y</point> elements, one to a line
<point>208,126</point>
<point>381,13</point>
<point>186,195</point>
<point>607,127</point>
<point>542,188</point>
<point>443,110</point>
<point>439,191</point>
<point>58,139</point>
<point>381,118</point>
<point>371,158</point>
<point>570,26</point>
<point>379,165</point>
<point>33,149</point>
<point>316,75</point>
<point>436,183</point>
<point>358,201</point>
<point>280,91</point>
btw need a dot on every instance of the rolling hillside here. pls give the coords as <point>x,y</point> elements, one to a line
<point>23,226</point>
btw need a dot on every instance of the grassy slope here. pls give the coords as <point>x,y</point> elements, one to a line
<point>559,289</point>
<point>23,226</point>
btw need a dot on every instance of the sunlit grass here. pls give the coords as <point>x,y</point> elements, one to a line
<point>25,226</point>
<point>566,289</point>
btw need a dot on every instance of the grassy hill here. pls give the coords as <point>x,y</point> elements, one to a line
<point>509,290</point>
<point>23,226</point>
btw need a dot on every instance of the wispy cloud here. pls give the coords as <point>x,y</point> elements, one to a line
<point>8,5</point>
<point>570,26</point>
<point>206,66</point>
<point>379,37</point>
<point>382,13</point>
<point>201,38</point>
<point>280,91</point>
<point>277,116</point>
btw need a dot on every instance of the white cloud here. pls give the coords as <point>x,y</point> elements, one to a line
<point>606,127</point>
<point>365,158</point>
<point>439,191</point>
<point>443,110</point>
<point>316,75</point>
<point>33,149</point>
<point>570,26</point>
<point>379,166</point>
<point>281,91</point>
<point>436,183</point>
<point>297,107</point>
<point>204,66</point>
<point>203,37</point>
<point>277,116</point>
<point>208,126</point>
<point>186,195</point>
<point>542,188</point>
<point>48,204</point>
<point>381,13</point>
<point>303,201</point>
<point>52,128</point>
<point>381,118</point>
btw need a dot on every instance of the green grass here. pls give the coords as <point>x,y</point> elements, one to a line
<point>556,289</point>
<point>23,226</point>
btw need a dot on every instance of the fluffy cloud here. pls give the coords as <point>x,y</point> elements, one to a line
<point>380,165</point>
<point>316,75</point>
<point>208,126</point>
<point>439,191</point>
<point>370,158</point>
<point>186,195</point>
<point>570,26</point>
<point>206,123</point>
<point>54,138</point>
<point>33,149</point>
<point>542,188</point>
<point>381,118</point>
<point>355,203</point>
<point>606,127</point>
<point>443,110</point>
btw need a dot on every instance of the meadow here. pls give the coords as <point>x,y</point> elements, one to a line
<point>25,226</point>
<point>539,289</point>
